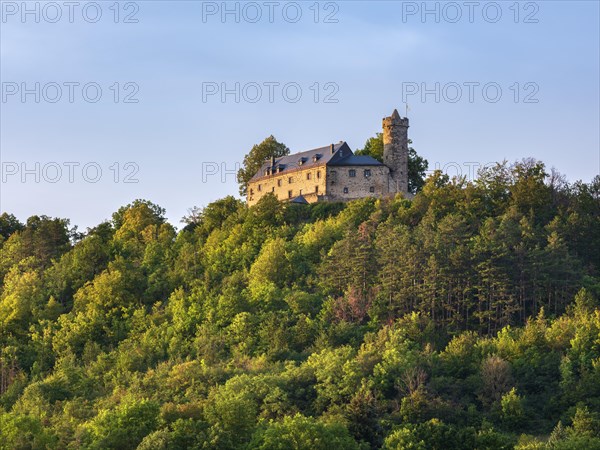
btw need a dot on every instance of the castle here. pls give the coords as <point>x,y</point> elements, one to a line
<point>335,173</point>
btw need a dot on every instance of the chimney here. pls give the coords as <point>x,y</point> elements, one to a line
<point>332,148</point>
<point>272,161</point>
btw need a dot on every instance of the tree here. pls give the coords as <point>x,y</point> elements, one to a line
<point>254,160</point>
<point>43,237</point>
<point>123,427</point>
<point>137,335</point>
<point>351,262</point>
<point>373,147</point>
<point>9,224</point>
<point>24,432</point>
<point>512,409</point>
<point>22,298</point>
<point>212,216</point>
<point>143,211</point>
<point>496,379</point>
<point>303,433</point>
<point>529,192</point>
<point>586,423</point>
<point>417,166</point>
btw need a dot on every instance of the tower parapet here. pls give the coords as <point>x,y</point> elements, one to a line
<point>395,150</point>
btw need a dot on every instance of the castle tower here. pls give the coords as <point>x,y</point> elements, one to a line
<point>395,150</point>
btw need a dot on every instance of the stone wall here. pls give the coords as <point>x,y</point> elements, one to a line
<point>359,185</point>
<point>307,182</point>
<point>395,150</point>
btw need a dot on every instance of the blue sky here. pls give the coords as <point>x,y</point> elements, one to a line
<point>366,59</point>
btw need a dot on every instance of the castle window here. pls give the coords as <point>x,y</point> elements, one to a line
<point>318,174</point>
<point>259,187</point>
<point>308,175</point>
<point>316,189</point>
<point>352,173</point>
<point>372,189</point>
<point>290,180</point>
<point>345,190</point>
<point>367,173</point>
<point>289,194</point>
<point>251,191</point>
<point>300,191</point>
<point>279,183</point>
<point>273,189</point>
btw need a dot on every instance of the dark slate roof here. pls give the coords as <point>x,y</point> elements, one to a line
<point>357,160</point>
<point>300,199</point>
<point>290,163</point>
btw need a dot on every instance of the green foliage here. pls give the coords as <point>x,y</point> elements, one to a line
<point>8,225</point>
<point>183,434</point>
<point>255,159</point>
<point>122,427</point>
<point>465,318</point>
<point>435,434</point>
<point>373,147</point>
<point>512,408</point>
<point>417,165</point>
<point>302,433</point>
<point>24,432</point>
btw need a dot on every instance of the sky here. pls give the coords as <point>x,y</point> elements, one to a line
<point>105,102</point>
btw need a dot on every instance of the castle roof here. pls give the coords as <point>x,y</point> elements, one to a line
<point>338,154</point>
<point>300,200</point>
<point>357,160</point>
<point>303,160</point>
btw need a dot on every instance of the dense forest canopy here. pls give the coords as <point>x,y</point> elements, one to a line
<point>465,318</point>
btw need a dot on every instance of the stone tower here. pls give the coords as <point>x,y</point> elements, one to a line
<point>395,150</point>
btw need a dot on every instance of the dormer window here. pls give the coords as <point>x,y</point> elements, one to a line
<point>316,157</point>
<point>301,161</point>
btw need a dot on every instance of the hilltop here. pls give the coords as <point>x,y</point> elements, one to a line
<point>466,317</point>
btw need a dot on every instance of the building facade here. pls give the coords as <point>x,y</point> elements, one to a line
<point>335,173</point>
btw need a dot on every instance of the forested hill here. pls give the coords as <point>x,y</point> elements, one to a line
<point>466,318</point>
